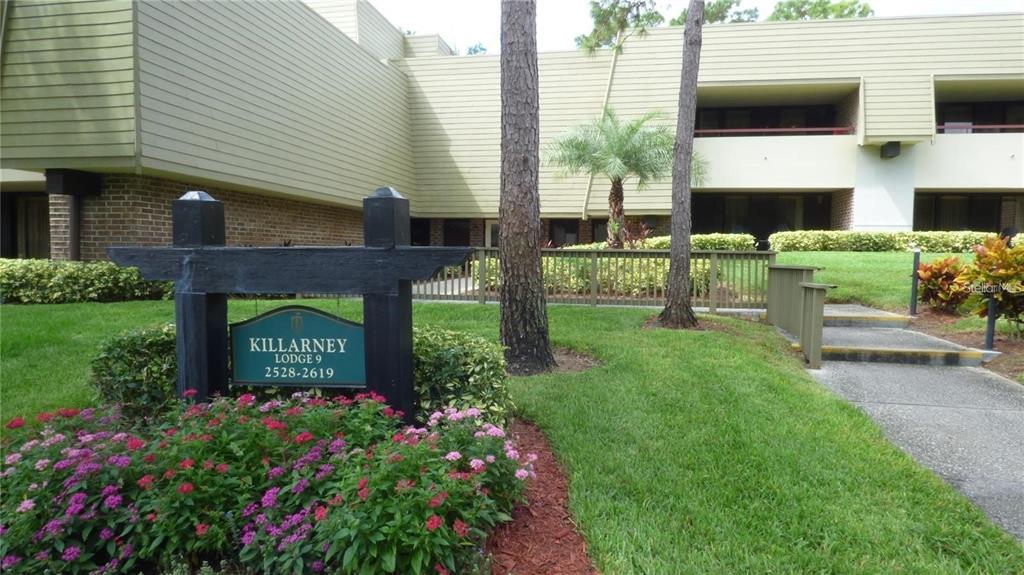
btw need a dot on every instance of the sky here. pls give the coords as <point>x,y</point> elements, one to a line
<point>463,23</point>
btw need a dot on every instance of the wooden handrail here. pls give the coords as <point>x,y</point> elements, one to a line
<point>834,130</point>
<point>972,127</point>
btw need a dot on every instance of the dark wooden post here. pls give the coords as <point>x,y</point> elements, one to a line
<point>201,318</point>
<point>387,317</point>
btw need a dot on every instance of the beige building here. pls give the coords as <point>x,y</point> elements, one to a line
<point>292,112</point>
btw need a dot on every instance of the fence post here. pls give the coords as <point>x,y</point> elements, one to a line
<point>713,284</point>
<point>481,290</point>
<point>813,319</point>
<point>593,278</point>
<point>913,282</point>
<point>990,324</point>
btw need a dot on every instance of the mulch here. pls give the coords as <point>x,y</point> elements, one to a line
<point>570,361</point>
<point>542,538</point>
<point>1011,361</point>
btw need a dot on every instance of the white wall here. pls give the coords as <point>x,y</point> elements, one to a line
<point>971,161</point>
<point>883,191</point>
<point>779,162</point>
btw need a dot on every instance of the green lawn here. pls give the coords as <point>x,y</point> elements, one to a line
<point>688,452</point>
<point>877,279</point>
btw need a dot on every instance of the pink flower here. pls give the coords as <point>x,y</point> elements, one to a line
<point>13,459</point>
<point>453,456</point>
<point>134,444</point>
<point>186,464</point>
<point>201,529</point>
<point>26,506</point>
<point>190,392</point>
<point>15,423</point>
<point>321,513</point>
<point>477,464</point>
<point>186,488</point>
<point>145,482</point>
<point>460,528</point>
<point>522,474</point>
<point>221,468</point>
<point>246,400</point>
<point>489,459</point>
<point>437,500</point>
<point>434,523</point>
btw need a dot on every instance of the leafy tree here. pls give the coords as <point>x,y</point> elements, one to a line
<point>722,11</point>
<point>616,20</point>
<point>524,317</point>
<point>678,312</point>
<point>820,9</point>
<point>618,150</point>
<point>476,49</point>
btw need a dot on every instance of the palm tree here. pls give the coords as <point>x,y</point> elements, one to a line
<point>619,150</point>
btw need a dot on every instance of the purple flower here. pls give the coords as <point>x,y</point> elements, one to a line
<point>76,504</point>
<point>311,456</point>
<point>248,537</point>
<point>26,506</point>
<point>270,497</point>
<point>300,486</point>
<point>106,534</point>
<point>42,556</point>
<point>317,566</point>
<point>325,470</point>
<point>71,553</point>
<point>453,456</point>
<point>109,490</point>
<point>275,472</point>
<point>120,460</point>
<point>249,509</point>
<point>336,446</point>
<point>13,459</point>
<point>10,561</point>
<point>112,502</point>
<point>42,464</point>
<point>126,551</point>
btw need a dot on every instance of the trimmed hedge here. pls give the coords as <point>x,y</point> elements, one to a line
<point>851,241</point>
<point>46,281</point>
<point>138,370</point>
<point>732,242</point>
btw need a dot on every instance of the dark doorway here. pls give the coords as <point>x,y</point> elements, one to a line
<point>25,225</point>
<point>456,232</point>
<point>564,232</point>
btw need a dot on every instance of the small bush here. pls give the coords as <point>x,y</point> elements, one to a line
<point>852,241</point>
<point>998,273</point>
<point>294,486</point>
<point>46,281</point>
<point>942,286</point>
<point>731,242</point>
<point>139,370</point>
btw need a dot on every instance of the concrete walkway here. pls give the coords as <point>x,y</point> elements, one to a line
<point>964,423</point>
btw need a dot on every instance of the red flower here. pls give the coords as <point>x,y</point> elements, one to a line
<point>201,529</point>
<point>190,392</point>
<point>440,569</point>
<point>388,412</point>
<point>460,527</point>
<point>44,417</point>
<point>171,432</point>
<point>151,517</point>
<point>169,474</point>
<point>363,482</point>
<point>186,488</point>
<point>68,412</point>
<point>16,423</point>
<point>246,399</point>
<point>273,424</point>
<point>186,464</point>
<point>146,482</point>
<point>207,464</point>
<point>149,457</point>
<point>222,468</point>
<point>293,411</point>
<point>437,500</point>
<point>341,399</point>
<point>134,444</point>
<point>321,513</point>
<point>304,437</point>
<point>434,523</point>
<point>364,493</point>
<point>337,500</point>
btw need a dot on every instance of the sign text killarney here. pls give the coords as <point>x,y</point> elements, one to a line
<point>297,345</point>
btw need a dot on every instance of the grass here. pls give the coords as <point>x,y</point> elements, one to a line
<point>688,452</point>
<point>875,279</point>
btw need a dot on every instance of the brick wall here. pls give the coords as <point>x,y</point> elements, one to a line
<point>1008,213</point>
<point>847,111</point>
<point>476,233</point>
<point>437,232</point>
<point>136,210</point>
<point>842,210</point>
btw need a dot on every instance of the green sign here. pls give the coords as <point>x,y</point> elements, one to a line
<point>298,345</point>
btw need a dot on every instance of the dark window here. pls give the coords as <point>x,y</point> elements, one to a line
<point>419,231</point>
<point>957,212</point>
<point>564,232</point>
<point>25,229</point>
<point>768,118</point>
<point>456,232</point>
<point>600,230</point>
<point>973,117</point>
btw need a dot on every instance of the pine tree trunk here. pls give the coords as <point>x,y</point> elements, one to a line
<point>524,319</point>
<point>616,220</point>
<point>678,312</point>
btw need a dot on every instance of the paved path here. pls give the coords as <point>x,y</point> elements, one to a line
<point>964,423</point>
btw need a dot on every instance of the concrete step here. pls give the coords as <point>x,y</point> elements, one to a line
<point>853,315</point>
<point>892,345</point>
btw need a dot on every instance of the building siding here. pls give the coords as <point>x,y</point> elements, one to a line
<point>68,89</point>
<point>270,96</point>
<point>455,102</point>
<point>340,13</point>
<point>377,35</point>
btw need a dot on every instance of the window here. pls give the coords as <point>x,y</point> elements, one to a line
<point>456,232</point>
<point>736,208</point>
<point>25,229</point>
<point>979,117</point>
<point>492,239</point>
<point>564,232</point>
<point>419,231</point>
<point>953,211</point>
<point>599,228</point>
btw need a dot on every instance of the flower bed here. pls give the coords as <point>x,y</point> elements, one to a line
<point>303,485</point>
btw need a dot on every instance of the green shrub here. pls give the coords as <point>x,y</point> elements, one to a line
<point>453,369</point>
<point>942,286</point>
<point>851,241</point>
<point>138,369</point>
<point>46,281</point>
<point>731,242</point>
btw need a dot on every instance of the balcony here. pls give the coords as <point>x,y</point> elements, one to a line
<point>787,161</point>
<point>816,131</point>
<point>971,128</point>
<point>978,161</point>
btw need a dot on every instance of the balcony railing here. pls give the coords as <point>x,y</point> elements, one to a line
<point>828,131</point>
<point>968,128</point>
